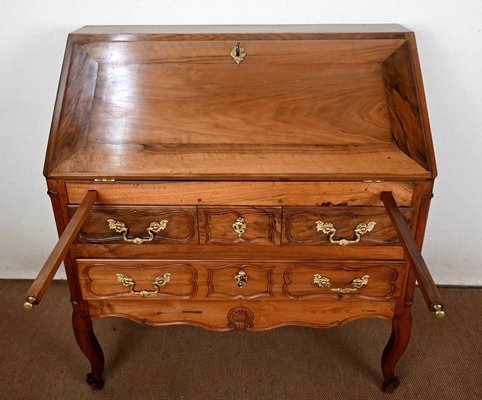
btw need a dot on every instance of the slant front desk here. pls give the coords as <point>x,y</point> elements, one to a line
<point>244,177</point>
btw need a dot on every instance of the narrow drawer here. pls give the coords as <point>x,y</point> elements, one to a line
<point>121,279</point>
<point>340,226</point>
<point>137,225</point>
<point>239,225</point>
<point>375,281</point>
<point>240,281</point>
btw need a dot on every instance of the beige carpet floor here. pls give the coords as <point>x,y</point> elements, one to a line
<point>39,358</point>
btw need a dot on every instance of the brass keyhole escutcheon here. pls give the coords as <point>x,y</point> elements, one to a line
<point>239,226</point>
<point>241,278</point>
<point>238,53</point>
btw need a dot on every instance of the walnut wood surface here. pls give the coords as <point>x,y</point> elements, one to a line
<point>262,225</point>
<point>403,105</point>
<point>383,284</point>
<point>223,252</point>
<point>200,280</point>
<point>299,225</point>
<point>221,283</point>
<point>181,226</point>
<point>99,279</point>
<point>193,114</point>
<point>51,265</point>
<point>244,162</point>
<point>268,314</point>
<point>289,135</point>
<point>243,193</point>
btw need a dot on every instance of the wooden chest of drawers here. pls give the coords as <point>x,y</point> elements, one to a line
<point>241,178</point>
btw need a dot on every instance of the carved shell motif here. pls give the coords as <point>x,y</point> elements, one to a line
<point>240,318</point>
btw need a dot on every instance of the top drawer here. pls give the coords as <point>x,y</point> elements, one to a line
<point>126,224</point>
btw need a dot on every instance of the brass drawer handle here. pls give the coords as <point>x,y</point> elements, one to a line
<point>328,229</point>
<point>120,227</point>
<point>241,278</point>
<point>240,226</point>
<point>158,282</point>
<point>357,283</point>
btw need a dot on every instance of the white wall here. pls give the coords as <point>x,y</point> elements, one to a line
<point>449,33</point>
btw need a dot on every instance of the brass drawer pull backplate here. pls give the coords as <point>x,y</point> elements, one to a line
<point>357,283</point>
<point>159,281</point>
<point>120,227</point>
<point>328,229</point>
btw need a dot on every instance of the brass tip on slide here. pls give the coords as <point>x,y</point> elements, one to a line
<point>29,303</point>
<point>439,313</point>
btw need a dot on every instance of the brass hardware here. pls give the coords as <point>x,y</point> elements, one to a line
<point>241,278</point>
<point>240,226</point>
<point>321,281</point>
<point>104,180</point>
<point>373,181</point>
<point>120,227</point>
<point>439,312</point>
<point>29,303</point>
<point>328,229</point>
<point>357,283</point>
<point>159,281</point>
<point>238,53</point>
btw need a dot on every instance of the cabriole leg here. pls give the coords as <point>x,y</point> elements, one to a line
<point>396,346</point>
<point>84,334</point>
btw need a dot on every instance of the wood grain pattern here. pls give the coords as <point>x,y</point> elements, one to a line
<point>383,284</point>
<point>262,225</point>
<point>315,124</point>
<point>71,128</point>
<point>181,226</point>
<point>221,283</point>
<point>268,314</point>
<point>267,52</point>
<point>190,104</point>
<point>241,162</point>
<point>239,253</point>
<point>205,103</point>
<point>299,225</point>
<point>403,105</point>
<point>243,193</point>
<point>98,279</point>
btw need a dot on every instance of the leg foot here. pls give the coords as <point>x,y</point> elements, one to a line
<point>389,385</point>
<point>396,346</point>
<point>84,334</point>
<point>96,383</point>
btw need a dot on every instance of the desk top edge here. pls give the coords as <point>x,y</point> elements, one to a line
<point>241,29</point>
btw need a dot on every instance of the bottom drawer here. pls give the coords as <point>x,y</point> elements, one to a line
<point>217,281</point>
<point>234,295</point>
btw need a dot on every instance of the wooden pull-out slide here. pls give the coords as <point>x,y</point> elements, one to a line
<point>46,274</point>
<point>427,285</point>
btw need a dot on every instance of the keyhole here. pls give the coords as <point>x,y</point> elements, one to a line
<point>238,49</point>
